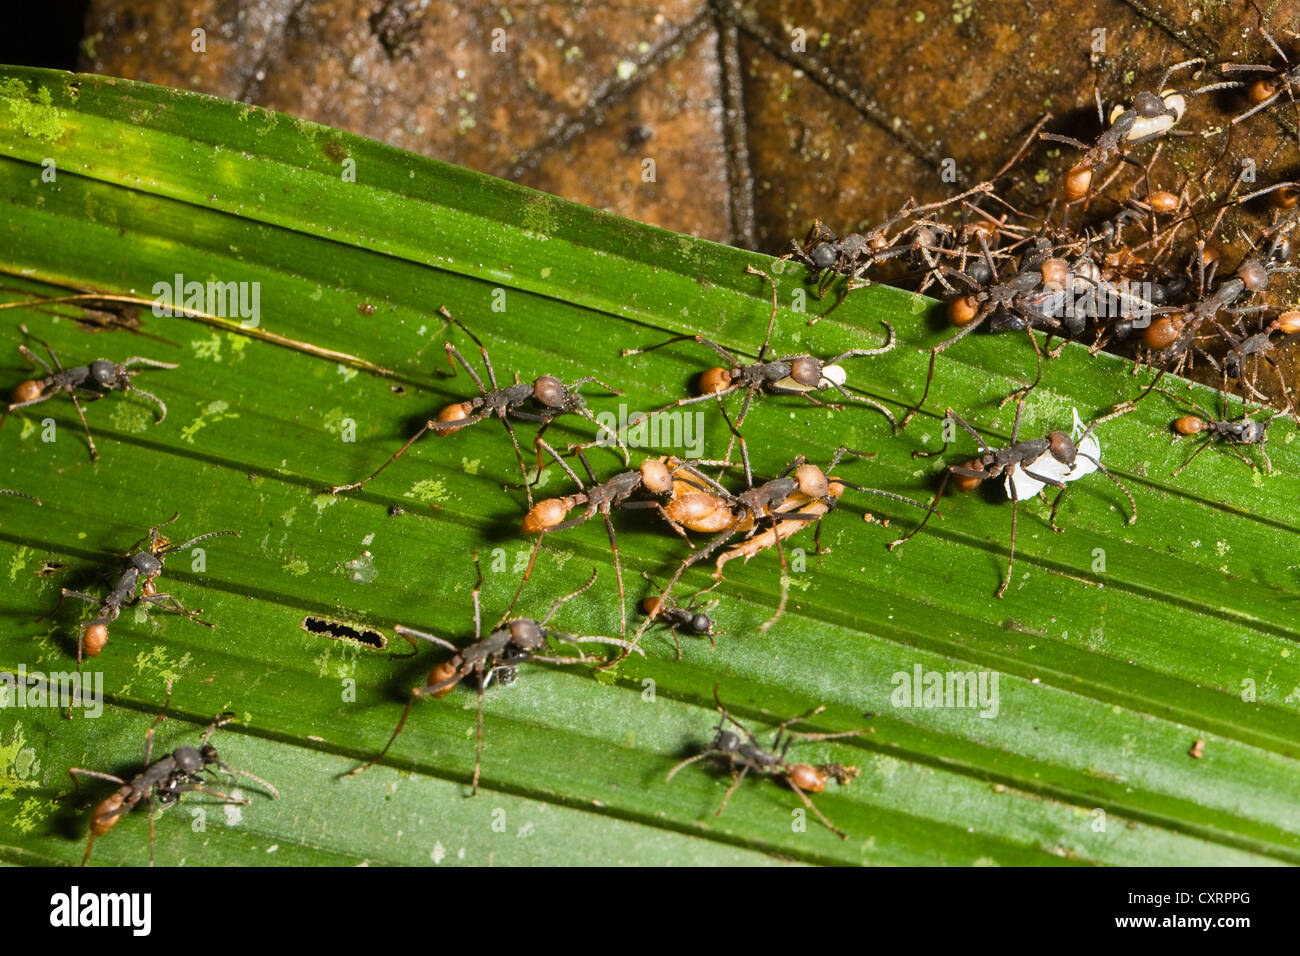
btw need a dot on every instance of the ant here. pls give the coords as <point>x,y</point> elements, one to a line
<point>789,375</point>
<point>545,400</point>
<point>657,476</point>
<point>1028,466</point>
<point>134,586</point>
<point>1236,431</point>
<point>802,493</point>
<point>1008,305</point>
<point>740,755</point>
<point>829,256</point>
<point>92,381</point>
<point>692,619</point>
<point>1151,116</point>
<point>511,643</point>
<point>163,781</point>
<point>1266,91</point>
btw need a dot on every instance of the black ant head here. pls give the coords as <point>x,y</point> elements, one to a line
<point>1062,447</point>
<point>526,634</point>
<point>147,563</point>
<point>192,759</point>
<point>807,371</point>
<point>725,742</point>
<point>701,623</point>
<point>109,375</point>
<point>1148,104</point>
<point>551,392</point>
<point>822,255</point>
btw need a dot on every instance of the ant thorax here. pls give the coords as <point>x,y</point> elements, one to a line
<point>1087,457</point>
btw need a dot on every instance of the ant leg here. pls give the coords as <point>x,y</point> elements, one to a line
<point>1023,392</point>
<point>785,582</point>
<point>1011,562</point>
<point>943,486</point>
<point>519,457</point>
<point>94,452</point>
<point>934,354</point>
<point>400,452</point>
<point>771,321</point>
<point>820,816</point>
<point>152,827</point>
<point>735,782</point>
<point>478,749</point>
<point>401,722</point>
<point>1204,445</point>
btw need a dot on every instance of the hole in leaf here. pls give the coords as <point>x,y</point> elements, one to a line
<point>343,631</point>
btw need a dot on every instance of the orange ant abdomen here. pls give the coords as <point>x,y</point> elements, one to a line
<point>1260,91</point>
<point>27,392</point>
<point>94,639</point>
<point>452,413</point>
<point>1189,425</point>
<point>807,778</point>
<point>106,814</point>
<point>545,515</point>
<point>1077,180</point>
<point>443,672</point>
<point>1162,333</point>
<point>715,380</point>
<point>966,483</point>
<point>963,309</point>
<point>701,511</point>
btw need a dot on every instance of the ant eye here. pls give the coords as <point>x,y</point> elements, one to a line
<point>550,391</point>
<point>806,371</point>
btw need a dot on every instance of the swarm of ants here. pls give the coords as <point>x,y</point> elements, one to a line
<point>1120,257</point>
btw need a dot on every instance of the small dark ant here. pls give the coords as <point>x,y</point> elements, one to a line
<point>741,755</point>
<point>134,586</point>
<point>789,375</point>
<point>92,381</point>
<point>830,256</point>
<point>1151,116</point>
<point>1008,305</point>
<point>1236,431</point>
<point>511,643</point>
<point>1266,91</point>
<point>163,781</point>
<point>692,619</point>
<point>545,400</point>
<point>1027,466</point>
